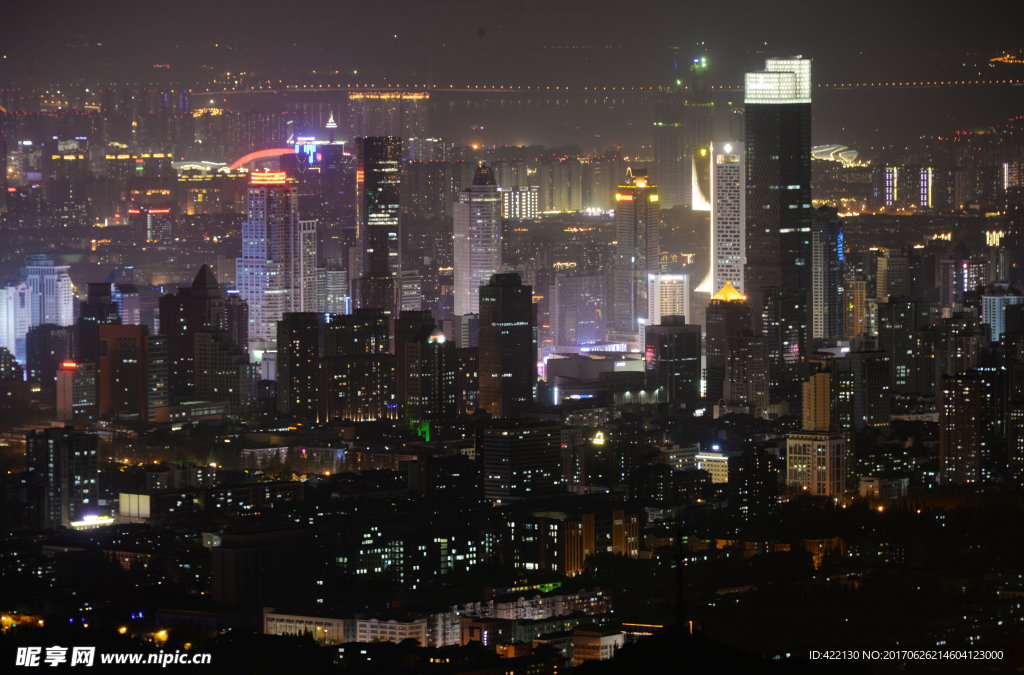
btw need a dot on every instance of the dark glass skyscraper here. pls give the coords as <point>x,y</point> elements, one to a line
<point>378,212</point>
<point>778,189</point>
<point>508,348</point>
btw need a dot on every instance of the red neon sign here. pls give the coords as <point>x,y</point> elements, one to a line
<point>270,178</point>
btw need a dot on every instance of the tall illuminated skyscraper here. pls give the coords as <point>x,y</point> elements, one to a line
<point>728,196</point>
<point>52,295</point>
<point>683,118</point>
<point>637,252</point>
<point>378,210</point>
<point>477,244</point>
<point>277,270</point>
<point>778,179</point>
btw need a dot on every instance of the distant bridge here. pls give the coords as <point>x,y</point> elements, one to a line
<point>281,88</point>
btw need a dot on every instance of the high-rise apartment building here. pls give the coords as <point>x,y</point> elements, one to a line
<point>378,206</point>
<point>277,270</point>
<point>477,242</point>
<point>746,373</point>
<point>520,203</point>
<point>508,347</point>
<point>51,295</point>
<point>961,429</point>
<point>728,235</point>
<point>637,250</point>
<point>68,465</point>
<point>778,179</point>
<point>994,301</point>
<point>402,114</point>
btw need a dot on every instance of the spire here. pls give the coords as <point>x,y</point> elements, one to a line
<point>205,278</point>
<point>729,294</point>
<point>484,176</point>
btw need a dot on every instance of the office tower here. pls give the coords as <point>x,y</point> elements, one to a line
<point>521,460</point>
<point>277,270</point>
<point>404,114</point>
<point>409,326</point>
<point>378,206</point>
<point>672,361</point>
<point>224,372</point>
<point>429,368</point>
<point>199,308</point>
<point>727,315</point>
<point>962,443</point>
<point>785,321</point>
<point>46,347</point>
<point>51,298</point>
<point>15,318</point>
<point>637,251</point>
<point>682,123</point>
<point>337,287</point>
<point>728,235</point>
<point>746,373</point>
<point>66,462</point>
<point>122,372</point>
<point>477,242</point>
<point>667,295</point>
<point>520,203</point>
<point>76,391</point>
<point>826,275</point>
<point>994,301</point>
<point>578,309</point>
<point>754,483</point>
<point>129,306</point>
<point>357,370</point>
<point>816,461</point>
<point>778,185</point>
<point>463,330</point>
<point>871,393</point>
<point>508,347</point>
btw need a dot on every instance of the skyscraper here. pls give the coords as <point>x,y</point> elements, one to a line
<point>67,463</point>
<point>192,310</point>
<point>277,270</point>
<point>477,242</point>
<point>637,250</point>
<point>728,235</point>
<point>521,459</point>
<point>961,429</point>
<point>778,179</point>
<point>51,294</point>
<point>826,275</point>
<point>378,208</point>
<point>15,318</point>
<point>672,361</point>
<point>683,118</point>
<point>727,315</point>
<point>508,348</point>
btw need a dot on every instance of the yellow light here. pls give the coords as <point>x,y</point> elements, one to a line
<point>654,198</point>
<point>122,630</point>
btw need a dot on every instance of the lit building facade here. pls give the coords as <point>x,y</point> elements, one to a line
<point>728,197</point>
<point>51,294</point>
<point>477,239</point>
<point>637,250</point>
<point>816,462</point>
